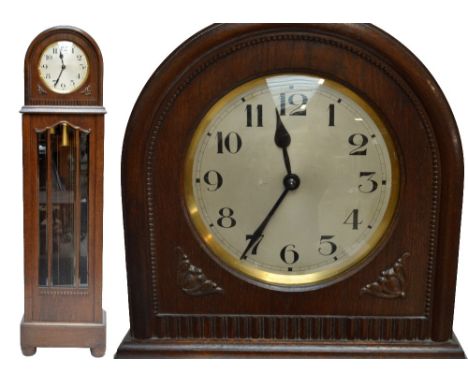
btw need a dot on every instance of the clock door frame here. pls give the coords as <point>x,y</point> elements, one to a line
<point>398,303</point>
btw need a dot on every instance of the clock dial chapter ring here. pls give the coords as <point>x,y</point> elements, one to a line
<point>307,243</point>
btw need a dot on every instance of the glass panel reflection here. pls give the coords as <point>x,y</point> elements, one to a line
<point>62,207</point>
<point>42,160</point>
<point>84,175</point>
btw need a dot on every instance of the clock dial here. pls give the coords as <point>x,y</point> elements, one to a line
<point>291,180</point>
<point>63,67</point>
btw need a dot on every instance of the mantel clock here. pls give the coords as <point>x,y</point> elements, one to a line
<point>63,138</point>
<point>291,190</point>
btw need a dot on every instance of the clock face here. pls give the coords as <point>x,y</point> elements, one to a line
<point>63,67</point>
<point>291,180</point>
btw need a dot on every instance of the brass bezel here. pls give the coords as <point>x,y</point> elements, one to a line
<point>47,85</point>
<point>277,279</point>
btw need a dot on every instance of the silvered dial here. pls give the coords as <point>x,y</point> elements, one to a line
<point>63,67</point>
<point>291,180</point>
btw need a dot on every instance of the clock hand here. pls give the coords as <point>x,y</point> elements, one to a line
<point>61,57</point>
<point>290,182</point>
<point>283,140</point>
<point>62,69</point>
<point>259,231</point>
<point>58,78</point>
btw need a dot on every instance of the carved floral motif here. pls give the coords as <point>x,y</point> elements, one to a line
<point>192,280</point>
<point>86,91</point>
<point>41,90</point>
<point>391,282</point>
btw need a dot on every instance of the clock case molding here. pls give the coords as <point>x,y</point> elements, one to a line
<point>63,316</point>
<point>397,303</point>
<point>36,92</point>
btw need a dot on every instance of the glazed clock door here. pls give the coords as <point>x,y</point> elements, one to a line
<point>63,155</point>
<point>64,166</point>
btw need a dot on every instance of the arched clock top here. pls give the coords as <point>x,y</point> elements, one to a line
<point>212,78</point>
<point>63,67</point>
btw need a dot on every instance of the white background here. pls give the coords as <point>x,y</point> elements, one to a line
<point>134,37</point>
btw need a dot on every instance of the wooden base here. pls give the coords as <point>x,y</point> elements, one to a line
<point>36,334</point>
<point>193,348</point>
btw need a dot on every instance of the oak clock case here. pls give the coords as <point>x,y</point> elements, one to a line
<point>63,138</point>
<point>308,158</point>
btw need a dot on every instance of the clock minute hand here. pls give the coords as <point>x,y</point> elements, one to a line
<point>259,231</point>
<point>283,140</point>
<point>291,181</point>
<point>58,78</point>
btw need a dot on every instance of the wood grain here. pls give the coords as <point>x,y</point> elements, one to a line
<point>394,82</point>
<point>63,316</point>
<point>90,93</point>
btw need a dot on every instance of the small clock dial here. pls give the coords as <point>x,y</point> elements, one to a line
<point>63,67</point>
<point>291,180</point>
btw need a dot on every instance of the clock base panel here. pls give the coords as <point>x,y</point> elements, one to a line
<point>36,334</point>
<point>243,348</point>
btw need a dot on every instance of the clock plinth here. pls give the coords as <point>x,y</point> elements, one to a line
<point>250,224</point>
<point>91,335</point>
<point>253,348</point>
<point>63,139</point>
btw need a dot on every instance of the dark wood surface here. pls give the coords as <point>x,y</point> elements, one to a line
<point>426,224</point>
<point>261,348</point>
<point>36,93</point>
<point>90,335</point>
<point>74,314</point>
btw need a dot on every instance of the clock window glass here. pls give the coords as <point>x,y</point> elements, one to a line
<point>63,206</point>
<point>63,67</point>
<point>291,180</point>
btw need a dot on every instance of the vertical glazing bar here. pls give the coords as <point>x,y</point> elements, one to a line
<point>84,195</point>
<point>49,213</point>
<point>77,206</point>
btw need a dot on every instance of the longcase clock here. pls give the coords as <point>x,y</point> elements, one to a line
<point>63,138</point>
<point>291,190</point>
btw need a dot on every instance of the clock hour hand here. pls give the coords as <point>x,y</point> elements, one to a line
<point>61,57</point>
<point>61,69</point>
<point>283,140</point>
<point>259,231</point>
<point>291,181</point>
